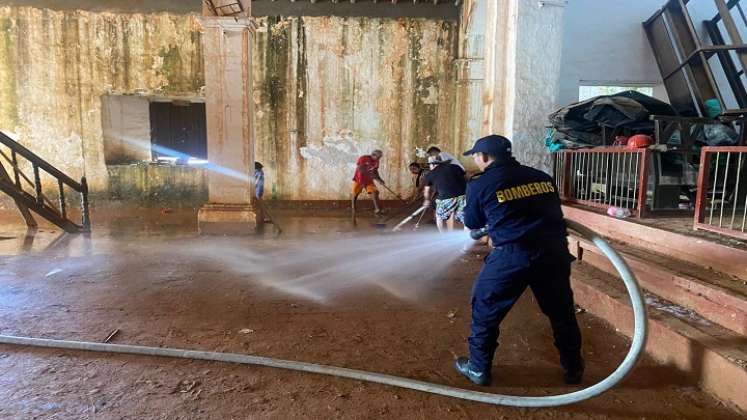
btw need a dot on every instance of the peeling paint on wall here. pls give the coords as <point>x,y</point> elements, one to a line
<point>55,66</point>
<point>328,89</point>
<point>9,102</point>
<point>319,83</point>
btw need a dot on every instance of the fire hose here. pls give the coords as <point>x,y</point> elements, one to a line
<point>635,351</point>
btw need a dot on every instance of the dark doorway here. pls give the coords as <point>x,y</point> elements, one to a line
<point>178,127</point>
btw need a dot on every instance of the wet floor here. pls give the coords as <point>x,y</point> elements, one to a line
<point>128,277</point>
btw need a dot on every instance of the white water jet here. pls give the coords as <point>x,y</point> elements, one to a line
<point>319,269</point>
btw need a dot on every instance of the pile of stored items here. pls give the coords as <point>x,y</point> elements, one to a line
<point>614,119</point>
<point>690,153</point>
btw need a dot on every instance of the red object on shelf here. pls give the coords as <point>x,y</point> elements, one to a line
<point>639,141</point>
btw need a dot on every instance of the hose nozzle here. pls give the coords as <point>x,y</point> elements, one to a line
<point>478,234</point>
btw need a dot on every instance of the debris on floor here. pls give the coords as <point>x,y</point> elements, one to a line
<point>680,312</point>
<point>185,386</point>
<point>111,335</point>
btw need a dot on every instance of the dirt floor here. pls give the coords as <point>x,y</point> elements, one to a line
<point>83,288</point>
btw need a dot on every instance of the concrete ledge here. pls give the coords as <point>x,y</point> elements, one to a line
<point>715,303</point>
<point>364,204</point>
<point>229,219</point>
<point>698,251</point>
<point>714,357</point>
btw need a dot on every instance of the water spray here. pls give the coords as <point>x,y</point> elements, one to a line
<point>408,218</point>
<point>627,365</point>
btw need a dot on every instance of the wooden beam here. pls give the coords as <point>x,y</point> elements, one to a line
<point>25,213</point>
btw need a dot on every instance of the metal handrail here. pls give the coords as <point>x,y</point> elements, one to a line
<point>39,162</point>
<point>38,201</point>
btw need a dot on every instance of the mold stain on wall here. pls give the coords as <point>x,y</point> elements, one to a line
<point>9,102</point>
<point>56,65</point>
<point>326,89</point>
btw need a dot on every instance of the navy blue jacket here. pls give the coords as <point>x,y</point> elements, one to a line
<point>519,204</point>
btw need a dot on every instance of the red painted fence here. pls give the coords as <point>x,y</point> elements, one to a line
<point>604,177</point>
<point>721,204</point>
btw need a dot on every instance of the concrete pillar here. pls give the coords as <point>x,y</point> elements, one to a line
<point>230,128</point>
<point>500,67</point>
<point>523,42</point>
<point>470,74</point>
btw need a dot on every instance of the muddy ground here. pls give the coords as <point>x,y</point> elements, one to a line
<point>82,288</point>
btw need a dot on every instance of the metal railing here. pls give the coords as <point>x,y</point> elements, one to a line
<point>721,203</point>
<point>27,190</point>
<point>225,7</point>
<point>604,177</point>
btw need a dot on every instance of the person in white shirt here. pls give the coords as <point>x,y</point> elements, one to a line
<point>434,151</point>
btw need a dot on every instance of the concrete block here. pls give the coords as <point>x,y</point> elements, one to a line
<point>698,251</point>
<point>711,355</point>
<point>714,302</point>
<point>229,219</point>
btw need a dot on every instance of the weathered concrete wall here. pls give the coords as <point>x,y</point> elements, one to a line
<point>55,66</point>
<point>470,74</point>
<point>326,89</point>
<point>124,118</point>
<point>154,186</point>
<point>129,6</point>
<point>539,35</point>
<point>329,89</point>
<point>522,67</point>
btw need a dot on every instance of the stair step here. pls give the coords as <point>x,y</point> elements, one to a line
<point>43,210</point>
<point>696,250</point>
<point>717,297</point>
<point>37,203</point>
<point>713,355</point>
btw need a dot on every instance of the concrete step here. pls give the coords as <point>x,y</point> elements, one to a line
<point>696,250</point>
<point>715,296</point>
<point>713,356</point>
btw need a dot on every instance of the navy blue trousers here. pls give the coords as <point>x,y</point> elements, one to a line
<point>507,272</point>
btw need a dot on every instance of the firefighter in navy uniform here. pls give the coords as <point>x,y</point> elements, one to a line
<point>520,209</point>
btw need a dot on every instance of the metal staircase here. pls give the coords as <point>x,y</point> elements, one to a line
<point>225,7</point>
<point>27,191</point>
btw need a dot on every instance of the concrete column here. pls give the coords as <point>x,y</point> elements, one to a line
<point>523,42</point>
<point>470,74</point>
<point>228,86</point>
<point>500,67</point>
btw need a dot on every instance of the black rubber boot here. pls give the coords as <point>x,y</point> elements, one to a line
<point>477,378</point>
<point>573,376</point>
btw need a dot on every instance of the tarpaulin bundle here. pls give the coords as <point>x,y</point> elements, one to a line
<point>582,122</point>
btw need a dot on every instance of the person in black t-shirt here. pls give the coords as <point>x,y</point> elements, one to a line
<point>418,173</point>
<point>451,186</point>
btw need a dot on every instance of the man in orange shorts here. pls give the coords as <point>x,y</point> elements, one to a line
<point>366,171</point>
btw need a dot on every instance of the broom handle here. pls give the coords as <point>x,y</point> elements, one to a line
<point>420,219</point>
<point>410,217</point>
<point>395,194</point>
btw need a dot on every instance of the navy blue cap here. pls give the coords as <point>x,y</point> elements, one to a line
<point>493,145</point>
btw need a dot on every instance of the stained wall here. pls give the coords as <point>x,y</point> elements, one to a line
<point>326,89</point>
<point>55,67</point>
<point>329,89</point>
